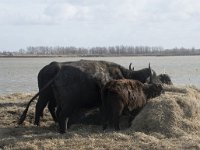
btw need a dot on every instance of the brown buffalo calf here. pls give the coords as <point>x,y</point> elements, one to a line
<point>122,96</point>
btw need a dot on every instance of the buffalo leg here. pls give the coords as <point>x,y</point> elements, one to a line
<point>130,119</point>
<point>107,118</point>
<point>133,114</point>
<point>104,119</point>
<point>105,122</point>
<point>58,112</point>
<point>117,110</point>
<point>116,123</point>
<point>105,126</point>
<point>51,107</point>
<point>41,104</point>
<point>71,120</point>
<point>104,110</point>
<point>64,113</point>
<point>62,122</point>
<point>115,120</point>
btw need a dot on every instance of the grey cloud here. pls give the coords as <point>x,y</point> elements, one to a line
<point>93,22</point>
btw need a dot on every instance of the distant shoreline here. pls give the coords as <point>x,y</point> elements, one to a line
<point>50,56</point>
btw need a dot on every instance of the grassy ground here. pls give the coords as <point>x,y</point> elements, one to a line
<point>171,121</point>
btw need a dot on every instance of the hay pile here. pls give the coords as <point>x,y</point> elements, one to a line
<point>176,113</point>
<point>171,121</point>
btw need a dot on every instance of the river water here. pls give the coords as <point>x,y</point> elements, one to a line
<point>20,74</point>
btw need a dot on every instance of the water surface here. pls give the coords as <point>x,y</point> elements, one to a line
<point>20,74</point>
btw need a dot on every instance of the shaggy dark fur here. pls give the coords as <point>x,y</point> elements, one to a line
<point>165,79</point>
<point>125,96</point>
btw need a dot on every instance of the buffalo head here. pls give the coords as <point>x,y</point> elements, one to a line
<point>145,75</point>
<point>153,90</point>
<point>165,79</point>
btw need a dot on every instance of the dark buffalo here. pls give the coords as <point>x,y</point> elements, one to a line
<point>74,85</point>
<point>160,79</point>
<point>165,79</point>
<point>94,117</point>
<point>47,96</point>
<point>125,96</point>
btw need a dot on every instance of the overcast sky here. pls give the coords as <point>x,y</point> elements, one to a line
<point>88,23</point>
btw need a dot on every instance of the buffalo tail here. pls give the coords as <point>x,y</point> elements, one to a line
<point>23,116</point>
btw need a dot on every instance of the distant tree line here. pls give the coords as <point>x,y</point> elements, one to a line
<point>101,51</point>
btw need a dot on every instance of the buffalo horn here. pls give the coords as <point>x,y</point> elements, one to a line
<point>130,66</point>
<point>150,73</point>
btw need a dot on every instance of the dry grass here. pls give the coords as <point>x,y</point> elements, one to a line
<point>171,121</point>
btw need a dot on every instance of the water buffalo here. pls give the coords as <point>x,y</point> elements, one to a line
<point>125,96</point>
<point>74,85</point>
<point>47,96</point>
<point>165,79</point>
<point>160,79</point>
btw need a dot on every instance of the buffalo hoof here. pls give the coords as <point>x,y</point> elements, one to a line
<point>62,132</point>
<point>117,128</point>
<point>36,123</point>
<point>41,115</point>
<point>104,127</point>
